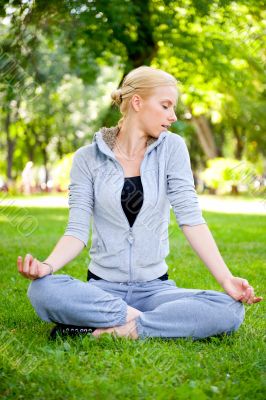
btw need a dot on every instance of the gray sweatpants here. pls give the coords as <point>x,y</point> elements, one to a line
<point>168,311</point>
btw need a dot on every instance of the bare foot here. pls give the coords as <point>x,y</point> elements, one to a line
<point>132,313</point>
<point>128,330</point>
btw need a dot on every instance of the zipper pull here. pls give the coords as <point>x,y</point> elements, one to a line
<point>130,236</point>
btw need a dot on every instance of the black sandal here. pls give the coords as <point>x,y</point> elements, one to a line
<point>70,330</point>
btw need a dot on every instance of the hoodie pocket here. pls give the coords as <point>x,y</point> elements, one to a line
<point>111,258</point>
<point>164,248</point>
<point>147,251</point>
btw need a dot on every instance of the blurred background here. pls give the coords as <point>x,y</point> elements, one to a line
<point>60,61</point>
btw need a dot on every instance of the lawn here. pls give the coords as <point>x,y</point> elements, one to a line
<point>227,367</point>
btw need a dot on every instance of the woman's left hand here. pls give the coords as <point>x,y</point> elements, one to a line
<point>240,290</point>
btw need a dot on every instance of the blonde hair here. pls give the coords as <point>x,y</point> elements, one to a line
<point>142,81</point>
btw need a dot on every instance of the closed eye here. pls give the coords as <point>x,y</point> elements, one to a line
<point>165,107</point>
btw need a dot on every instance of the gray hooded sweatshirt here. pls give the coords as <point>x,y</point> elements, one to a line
<point>120,253</point>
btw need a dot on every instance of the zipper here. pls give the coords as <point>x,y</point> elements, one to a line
<point>130,228</point>
<point>131,240</point>
<point>131,237</point>
<point>141,165</point>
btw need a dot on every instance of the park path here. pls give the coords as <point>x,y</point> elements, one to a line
<point>225,204</point>
<point>231,205</point>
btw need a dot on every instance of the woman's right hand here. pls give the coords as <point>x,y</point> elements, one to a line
<point>32,268</point>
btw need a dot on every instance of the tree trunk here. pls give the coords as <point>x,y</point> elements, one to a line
<point>143,53</point>
<point>239,142</point>
<point>59,148</point>
<point>147,47</point>
<point>45,159</point>
<point>205,136</point>
<point>29,147</point>
<point>234,190</point>
<point>10,146</point>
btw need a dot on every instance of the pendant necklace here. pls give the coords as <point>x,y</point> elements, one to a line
<point>121,152</point>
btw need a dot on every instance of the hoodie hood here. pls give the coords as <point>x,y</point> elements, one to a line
<point>108,136</point>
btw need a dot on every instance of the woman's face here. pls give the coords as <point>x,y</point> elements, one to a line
<point>158,110</point>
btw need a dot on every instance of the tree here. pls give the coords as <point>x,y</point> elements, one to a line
<point>215,49</point>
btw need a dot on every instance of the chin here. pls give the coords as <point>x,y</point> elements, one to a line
<point>155,133</point>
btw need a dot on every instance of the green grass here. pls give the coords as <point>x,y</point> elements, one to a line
<point>227,367</point>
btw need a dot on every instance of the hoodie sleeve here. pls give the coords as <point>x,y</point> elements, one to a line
<point>180,184</point>
<point>81,198</point>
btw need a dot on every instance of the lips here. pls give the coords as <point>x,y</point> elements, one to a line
<point>166,126</point>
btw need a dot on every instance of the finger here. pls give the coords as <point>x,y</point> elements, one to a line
<point>252,291</point>
<point>37,267</point>
<point>27,261</point>
<point>19,263</point>
<point>245,283</point>
<point>240,298</point>
<point>250,300</point>
<point>33,269</point>
<point>21,267</point>
<point>251,296</point>
<point>25,268</point>
<point>246,295</point>
<point>41,268</point>
<point>257,299</point>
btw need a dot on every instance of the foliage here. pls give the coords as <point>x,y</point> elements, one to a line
<point>224,173</point>
<point>61,172</point>
<point>59,62</point>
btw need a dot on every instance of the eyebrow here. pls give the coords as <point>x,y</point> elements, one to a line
<point>169,101</point>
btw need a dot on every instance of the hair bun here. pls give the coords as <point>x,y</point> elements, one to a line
<point>116,96</point>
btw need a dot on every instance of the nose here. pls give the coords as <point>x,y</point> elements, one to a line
<point>173,117</point>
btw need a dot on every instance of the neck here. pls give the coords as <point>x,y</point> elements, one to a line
<point>132,140</point>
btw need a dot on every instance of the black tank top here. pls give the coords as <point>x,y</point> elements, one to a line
<point>132,198</point>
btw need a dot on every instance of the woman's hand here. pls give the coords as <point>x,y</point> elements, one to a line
<point>240,290</point>
<point>32,268</point>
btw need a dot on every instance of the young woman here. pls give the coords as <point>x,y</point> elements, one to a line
<point>126,179</point>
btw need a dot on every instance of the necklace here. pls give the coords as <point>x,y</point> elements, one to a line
<point>123,154</point>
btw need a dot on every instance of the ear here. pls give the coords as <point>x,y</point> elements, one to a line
<point>136,102</point>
